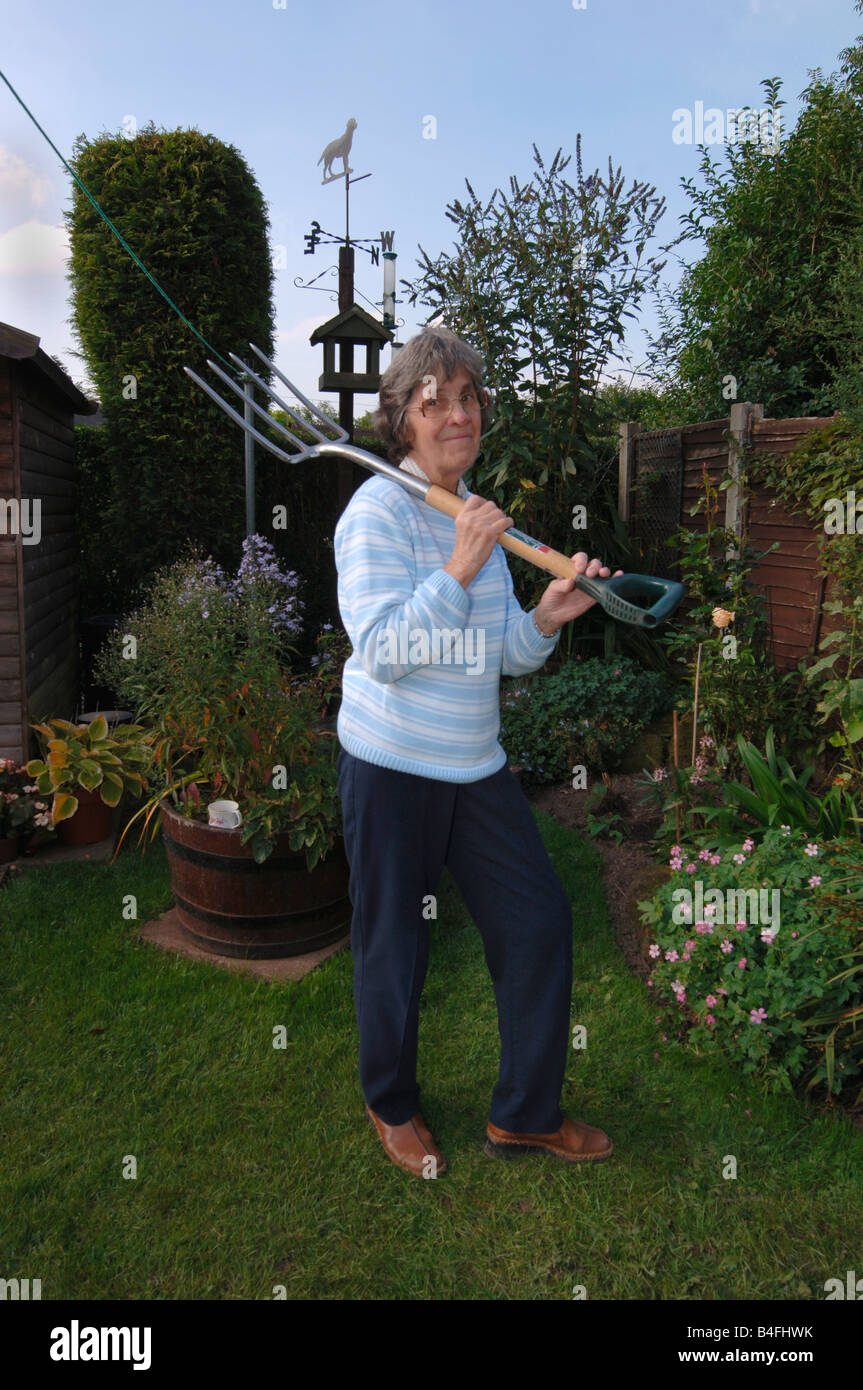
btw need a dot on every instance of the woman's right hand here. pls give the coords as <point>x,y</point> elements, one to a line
<point>478,527</point>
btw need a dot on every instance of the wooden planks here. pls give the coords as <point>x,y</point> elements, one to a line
<point>788,577</point>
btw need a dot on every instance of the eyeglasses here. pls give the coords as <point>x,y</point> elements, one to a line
<point>440,407</point>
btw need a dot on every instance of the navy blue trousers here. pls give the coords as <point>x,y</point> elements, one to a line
<point>400,831</point>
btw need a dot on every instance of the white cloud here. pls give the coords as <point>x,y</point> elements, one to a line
<point>20,182</point>
<point>302,330</point>
<point>34,247</point>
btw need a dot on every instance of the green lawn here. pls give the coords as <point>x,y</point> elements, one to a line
<point>257,1167</point>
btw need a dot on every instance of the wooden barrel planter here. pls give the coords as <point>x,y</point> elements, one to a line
<point>231,906</point>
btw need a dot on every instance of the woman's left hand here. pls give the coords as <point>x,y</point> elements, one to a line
<point>562,601</point>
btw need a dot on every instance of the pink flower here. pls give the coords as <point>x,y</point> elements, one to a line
<point>795,933</point>
<point>653,950</point>
<point>768,936</point>
<point>757,1015</point>
<point>671,955</point>
<point>741,964</point>
<point>709,1020</point>
<point>704,854</point>
<point>720,989</point>
<point>749,846</point>
<point>741,926</point>
<point>676,849</point>
<point>711,1001</point>
<point>690,868</point>
<point>716,858</point>
<point>811,850</point>
<point>814,880</point>
<point>691,945</point>
<point>739,858</point>
<point>726,947</point>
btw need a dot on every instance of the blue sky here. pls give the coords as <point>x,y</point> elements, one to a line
<point>280,83</point>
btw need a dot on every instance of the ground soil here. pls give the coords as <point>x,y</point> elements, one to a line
<point>630,870</point>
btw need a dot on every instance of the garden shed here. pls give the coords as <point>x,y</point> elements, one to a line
<point>38,550</point>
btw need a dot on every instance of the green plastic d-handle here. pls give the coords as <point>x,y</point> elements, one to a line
<point>640,599</point>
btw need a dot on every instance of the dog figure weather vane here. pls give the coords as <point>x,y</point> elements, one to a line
<point>340,149</point>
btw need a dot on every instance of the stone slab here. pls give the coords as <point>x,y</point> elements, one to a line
<point>167,931</point>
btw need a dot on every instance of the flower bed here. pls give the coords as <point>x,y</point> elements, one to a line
<point>762,950</point>
<point>23,809</point>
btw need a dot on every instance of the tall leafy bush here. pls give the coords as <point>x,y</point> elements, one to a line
<point>171,469</point>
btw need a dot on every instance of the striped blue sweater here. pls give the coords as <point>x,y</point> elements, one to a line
<point>420,689</point>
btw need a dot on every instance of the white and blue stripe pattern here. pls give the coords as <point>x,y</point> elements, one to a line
<point>398,710</point>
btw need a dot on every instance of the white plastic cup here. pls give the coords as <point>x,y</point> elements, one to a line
<point>225,815</point>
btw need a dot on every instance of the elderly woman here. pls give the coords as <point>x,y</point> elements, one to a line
<point>428,604</point>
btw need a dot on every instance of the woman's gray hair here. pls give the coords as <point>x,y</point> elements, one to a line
<point>435,352</point>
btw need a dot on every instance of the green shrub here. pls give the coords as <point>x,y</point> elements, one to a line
<point>774,990</point>
<point>171,466</point>
<point>589,712</point>
<point>723,811</point>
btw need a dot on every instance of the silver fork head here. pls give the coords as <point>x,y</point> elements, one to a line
<point>301,449</point>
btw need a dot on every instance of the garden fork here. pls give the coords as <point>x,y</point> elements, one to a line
<point>630,598</point>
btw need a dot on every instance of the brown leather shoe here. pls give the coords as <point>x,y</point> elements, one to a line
<point>574,1142</point>
<point>410,1145</point>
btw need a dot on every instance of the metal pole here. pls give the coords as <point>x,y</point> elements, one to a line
<point>346,474</point>
<point>249,449</point>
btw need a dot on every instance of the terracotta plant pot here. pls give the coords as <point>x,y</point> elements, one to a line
<point>8,849</point>
<point>90,823</point>
<point>231,906</point>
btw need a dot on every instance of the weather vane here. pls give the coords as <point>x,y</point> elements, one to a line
<point>340,149</point>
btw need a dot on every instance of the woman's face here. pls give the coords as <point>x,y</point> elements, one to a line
<point>443,445</point>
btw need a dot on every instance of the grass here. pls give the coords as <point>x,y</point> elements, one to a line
<point>256,1166</point>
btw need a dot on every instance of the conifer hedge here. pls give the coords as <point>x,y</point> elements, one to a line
<point>170,465</point>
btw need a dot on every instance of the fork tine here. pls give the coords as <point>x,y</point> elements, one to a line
<point>265,414</point>
<point>274,396</point>
<point>250,429</point>
<point>325,419</point>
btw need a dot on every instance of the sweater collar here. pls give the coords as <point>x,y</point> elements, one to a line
<point>410,466</point>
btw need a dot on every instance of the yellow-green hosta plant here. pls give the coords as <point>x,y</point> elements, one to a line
<point>85,755</point>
